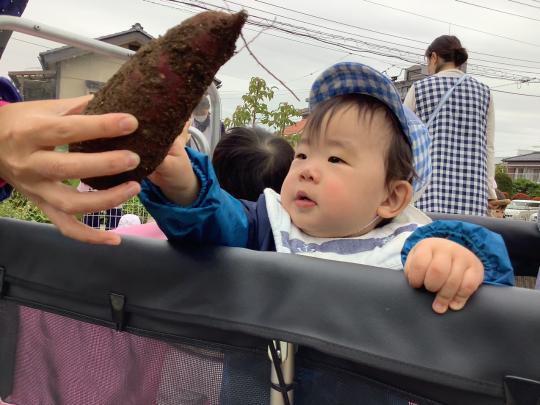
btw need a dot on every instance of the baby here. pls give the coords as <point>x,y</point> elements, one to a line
<point>361,160</point>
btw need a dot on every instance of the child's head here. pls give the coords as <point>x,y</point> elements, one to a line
<point>127,220</point>
<point>248,160</point>
<point>359,155</point>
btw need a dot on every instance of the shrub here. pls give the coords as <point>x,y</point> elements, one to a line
<point>526,187</point>
<point>19,207</point>
<point>504,182</point>
<point>520,196</point>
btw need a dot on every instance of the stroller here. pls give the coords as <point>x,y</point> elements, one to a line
<point>152,323</point>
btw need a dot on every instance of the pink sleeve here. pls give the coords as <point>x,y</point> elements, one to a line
<point>2,182</point>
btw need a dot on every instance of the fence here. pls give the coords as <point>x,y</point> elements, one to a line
<point>110,218</point>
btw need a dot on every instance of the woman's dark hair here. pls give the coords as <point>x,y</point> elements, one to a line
<point>248,160</point>
<point>399,158</point>
<point>449,48</point>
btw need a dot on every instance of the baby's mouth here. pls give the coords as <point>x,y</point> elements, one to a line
<point>303,201</point>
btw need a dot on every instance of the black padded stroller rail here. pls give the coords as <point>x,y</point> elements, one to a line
<point>522,239</point>
<point>356,316</point>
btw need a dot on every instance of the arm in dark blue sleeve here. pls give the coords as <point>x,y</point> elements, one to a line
<point>488,246</point>
<point>215,218</point>
<point>5,191</point>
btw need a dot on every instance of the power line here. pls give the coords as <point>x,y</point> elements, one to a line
<point>390,56</point>
<point>498,11</point>
<point>517,94</point>
<point>513,84</point>
<point>340,22</point>
<point>416,56</point>
<point>503,57</point>
<point>366,47</point>
<point>524,4</point>
<point>451,23</point>
<point>411,57</point>
<point>29,42</point>
<point>391,35</point>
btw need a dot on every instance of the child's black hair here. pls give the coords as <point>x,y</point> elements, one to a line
<point>248,160</point>
<point>399,158</point>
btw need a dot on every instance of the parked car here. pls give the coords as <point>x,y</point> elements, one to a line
<point>525,210</point>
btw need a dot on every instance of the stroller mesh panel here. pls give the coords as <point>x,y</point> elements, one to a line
<point>62,361</point>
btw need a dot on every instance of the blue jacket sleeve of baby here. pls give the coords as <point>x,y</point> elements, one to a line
<point>215,218</point>
<point>488,246</point>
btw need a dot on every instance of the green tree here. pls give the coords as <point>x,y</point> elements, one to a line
<point>281,118</point>
<point>504,182</point>
<point>255,109</point>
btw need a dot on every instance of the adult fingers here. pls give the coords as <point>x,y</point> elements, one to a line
<point>70,201</point>
<point>450,288</point>
<point>75,105</point>
<point>70,227</point>
<point>60,166</point>
<point>472,279</point>
<point>417,265</point>
<point>50,131</point>
<point>56,107</point>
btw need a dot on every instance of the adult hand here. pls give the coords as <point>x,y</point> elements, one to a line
<point>29,133</point>
<point>446,268</point>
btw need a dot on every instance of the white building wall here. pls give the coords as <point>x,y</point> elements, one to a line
<point>74,73</point>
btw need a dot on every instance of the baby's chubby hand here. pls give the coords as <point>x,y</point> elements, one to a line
<point>175,176</point>
<point>446,268</point>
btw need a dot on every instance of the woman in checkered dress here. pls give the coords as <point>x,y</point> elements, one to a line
<point>462,132</point>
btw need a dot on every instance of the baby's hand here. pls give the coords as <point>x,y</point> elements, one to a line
<point>446,268</point>
<point>175,176</point>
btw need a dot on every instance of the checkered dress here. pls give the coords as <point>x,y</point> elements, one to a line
<point>458,150</point>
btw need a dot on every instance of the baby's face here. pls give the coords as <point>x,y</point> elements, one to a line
<point>337,182</point>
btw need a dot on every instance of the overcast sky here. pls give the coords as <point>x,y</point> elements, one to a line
<point>494,39</point>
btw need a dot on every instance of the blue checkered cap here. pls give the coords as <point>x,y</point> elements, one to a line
<point>357,78</point>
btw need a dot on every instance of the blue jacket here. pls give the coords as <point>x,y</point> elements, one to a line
<point>219,219</point>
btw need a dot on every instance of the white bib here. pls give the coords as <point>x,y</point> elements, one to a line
<point>381,247</point>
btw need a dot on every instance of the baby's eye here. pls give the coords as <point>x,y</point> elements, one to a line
<point>301,156</point>
<point>335,159</point>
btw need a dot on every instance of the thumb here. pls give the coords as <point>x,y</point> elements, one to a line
<point>185,136</point>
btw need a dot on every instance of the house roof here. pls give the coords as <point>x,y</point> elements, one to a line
<point>135,34</point>
<point>294,129</point>
<point>533,157</point>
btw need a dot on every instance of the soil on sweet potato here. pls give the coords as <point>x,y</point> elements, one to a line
<point>161,85</point>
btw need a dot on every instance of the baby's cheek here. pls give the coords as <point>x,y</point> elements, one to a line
<point>336,191</point>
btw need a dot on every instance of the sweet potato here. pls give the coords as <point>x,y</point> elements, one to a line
<point>161,85</point>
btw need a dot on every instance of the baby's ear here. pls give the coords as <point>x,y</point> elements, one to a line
<point>399,196</point>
